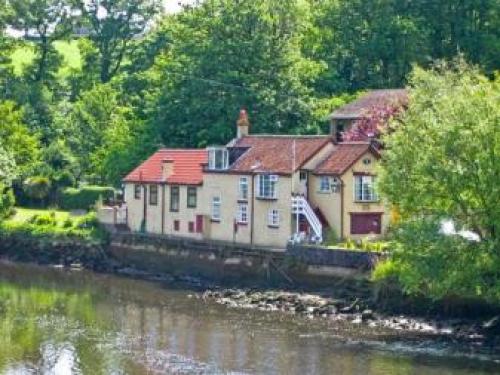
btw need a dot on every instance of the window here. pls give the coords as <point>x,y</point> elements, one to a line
<point>174,198</point>
<point>364,188</point>
<point>137,191</point>
<point>243,188</point>
<point>153,195</point>
<point>216,201</point>
<point>191,196</point>
<point>242,216</point>
<point>303,176</point>
<point>336,184</point>
<point>177,225</point>
<point>218,158</point>
<point>191,227</point>
<point>273,218</point>
<point>267,186</point>
<point>324,184</point>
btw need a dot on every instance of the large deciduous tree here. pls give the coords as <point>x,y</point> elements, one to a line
<point>443,157</point>
<point>45,21</point>
<point>113,25</point>
<point>226,55</point>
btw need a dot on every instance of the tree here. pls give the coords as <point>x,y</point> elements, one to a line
<point>226,55</point>
<point>17,139</point>
<point>8,169</point>
<point>37,188</point>
<point>442,158</point>
<point>114,24</point>
<point>47,21</point>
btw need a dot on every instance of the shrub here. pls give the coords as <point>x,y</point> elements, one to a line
<point>37,187</point>
<point>88,221</point>
<point>46,219</point>
<point>6,202</point>
<point>84,198</point>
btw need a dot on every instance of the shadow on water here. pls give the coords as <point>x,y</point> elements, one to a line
<point>59,321</point>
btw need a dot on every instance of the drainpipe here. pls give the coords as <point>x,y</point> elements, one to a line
<point>252,208</point>
<point>145,211</point>
<point>341,208</point>
<point>163,209</point>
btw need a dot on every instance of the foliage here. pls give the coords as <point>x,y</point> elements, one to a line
<point>442,157</point>
<point>8,168</point>
<point>6,201</point>
<point>48,21</point>
<point>84,197</point>
<point>211,70</point>
<point>114,25</point>
<point>16,138</point>
<point>373,124</point>
<point>47,219</point>
<point>37,187</point>
<point>427,262</point>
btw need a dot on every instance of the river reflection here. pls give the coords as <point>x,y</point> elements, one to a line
<point>61,322</point>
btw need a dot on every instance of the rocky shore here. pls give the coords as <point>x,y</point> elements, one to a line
<point>357,312</point>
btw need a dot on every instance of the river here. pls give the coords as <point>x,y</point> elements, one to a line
<point>55,321</point>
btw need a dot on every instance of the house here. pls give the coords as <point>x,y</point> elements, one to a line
<point>163,193</point>
<point>262,190</point>
<point>343,118</point>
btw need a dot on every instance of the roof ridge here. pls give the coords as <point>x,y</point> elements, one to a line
<point>288,136</point>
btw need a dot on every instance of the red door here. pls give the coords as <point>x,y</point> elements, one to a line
<point>366,223</point>
<point>199,223</point>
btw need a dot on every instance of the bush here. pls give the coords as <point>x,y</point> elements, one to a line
<point>424,261</point>
<point>46,219</point>
<point>84,198</point>
<point>37,187</point>
<point>6,202</point>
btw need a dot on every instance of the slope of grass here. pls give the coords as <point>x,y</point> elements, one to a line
<point>24,214</point>
<point>25,54</point>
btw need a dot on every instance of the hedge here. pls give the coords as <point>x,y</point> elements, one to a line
<point>84,198</point>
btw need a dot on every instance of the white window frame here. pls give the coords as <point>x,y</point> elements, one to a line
<point>242,216</point>
<point>324,184</point>
<point>243,188</point>
<point>215,153</point>
<point>273,218</point>
<point>268,191</point>
<point>364,188</point>
<point>216,208</point>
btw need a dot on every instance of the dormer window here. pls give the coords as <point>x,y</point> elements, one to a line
<point>218,158</point>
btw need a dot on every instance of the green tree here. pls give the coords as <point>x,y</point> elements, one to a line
<point>37,188</point>
<point>443,157</point>
<point>47,21</point>
<point>17,140</point>
<point>226,55</point>
<point>114,24</point>
<point>441,163</point>
<point>8,169</point>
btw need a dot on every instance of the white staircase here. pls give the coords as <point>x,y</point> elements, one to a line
<point>300,206</point>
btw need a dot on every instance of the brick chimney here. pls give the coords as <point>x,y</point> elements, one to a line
<point>243,125</point>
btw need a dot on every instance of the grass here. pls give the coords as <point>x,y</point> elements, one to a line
<point>23,215</point>
<point>24,55</point>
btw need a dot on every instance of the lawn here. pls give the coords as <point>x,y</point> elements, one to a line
<point>23,55</point>
<point>24,214</point>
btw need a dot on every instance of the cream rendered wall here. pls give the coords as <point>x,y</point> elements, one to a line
<point>328,202</point>
<point>269,236</point>
<point>135,210</point>
<point>226,186</point>
<point>185,214</point>
<point>351,206</point>
<point>311,164</point>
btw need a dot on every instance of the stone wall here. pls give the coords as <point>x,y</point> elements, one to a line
<point>321,256</point>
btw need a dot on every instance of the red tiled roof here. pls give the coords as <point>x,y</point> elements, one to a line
<point>343,157</point>
<point>275,153</point>
<point>358,108</point>
<point>187,167</point>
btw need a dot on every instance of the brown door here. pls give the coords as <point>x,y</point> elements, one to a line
<point>366,223</point>
<point>199,223</point>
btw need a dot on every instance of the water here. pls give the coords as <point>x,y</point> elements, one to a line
<point>76,322</point>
